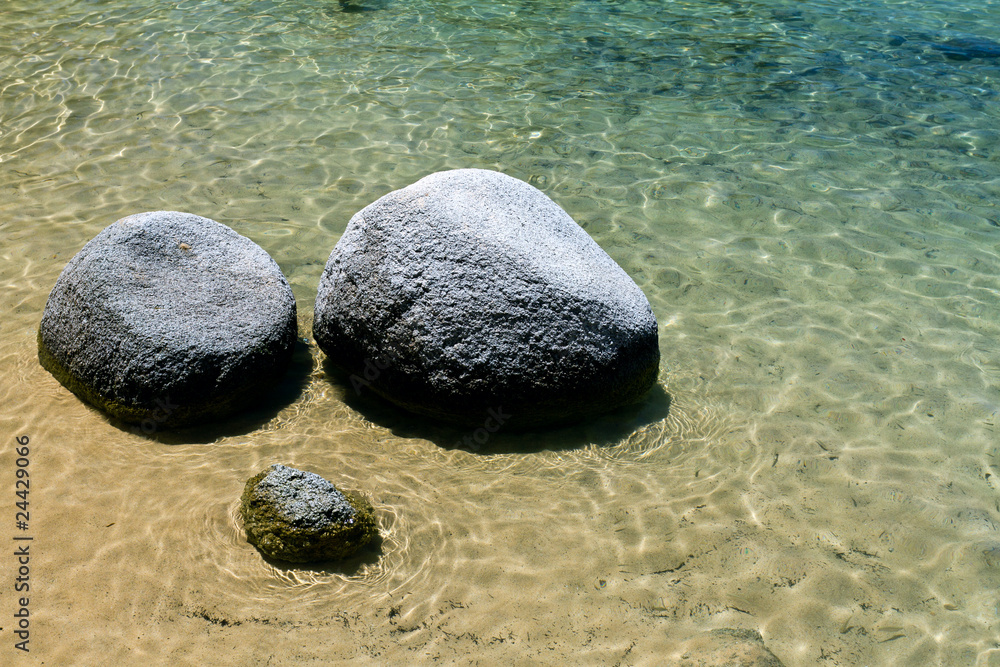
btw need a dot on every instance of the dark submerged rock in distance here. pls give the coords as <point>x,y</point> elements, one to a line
<point>298,516</point>
<point>168,318</point>
<point>470,290</point>
<point>967,48</point>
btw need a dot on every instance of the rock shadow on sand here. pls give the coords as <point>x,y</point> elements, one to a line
<point>284,393</point>
<point>492,438</point>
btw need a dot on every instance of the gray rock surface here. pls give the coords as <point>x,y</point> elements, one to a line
<point>168,318</point>
<point>470,291</point>
<point>298,516</point>
<point>304,499</point>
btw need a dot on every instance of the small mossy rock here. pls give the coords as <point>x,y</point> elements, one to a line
<point>471,291</point>
<point>166,319</point>
<point>297,516</point>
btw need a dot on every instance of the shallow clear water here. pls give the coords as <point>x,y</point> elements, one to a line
<point>806,192</point>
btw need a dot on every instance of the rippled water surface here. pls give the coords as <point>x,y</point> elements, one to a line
<point>806,192</point>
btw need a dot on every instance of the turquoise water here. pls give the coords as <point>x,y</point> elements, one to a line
<point>806,192</point>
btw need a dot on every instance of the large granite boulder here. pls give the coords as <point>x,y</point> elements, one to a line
<point>167,318</point>
<point>472,297</point>
<point>297,516</point>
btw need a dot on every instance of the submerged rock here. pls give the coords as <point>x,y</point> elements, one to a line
<point>298,516</point>
<point>167,318</point>
<point>967,48</point>
<point>470,293</point>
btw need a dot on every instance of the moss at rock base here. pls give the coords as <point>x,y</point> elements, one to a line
<point>162,412</point>
<point>280,535</point>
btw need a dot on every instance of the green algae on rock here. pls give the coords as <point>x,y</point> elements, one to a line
<point>297,516</point>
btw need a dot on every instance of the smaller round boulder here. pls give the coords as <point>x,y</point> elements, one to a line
<point>299,517</point>
<point>166,319</point>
